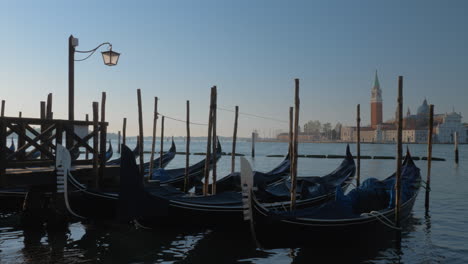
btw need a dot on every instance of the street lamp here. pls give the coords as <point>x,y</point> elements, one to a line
<point>110,58</point>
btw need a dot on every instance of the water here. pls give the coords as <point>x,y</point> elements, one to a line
<point>440,236</point>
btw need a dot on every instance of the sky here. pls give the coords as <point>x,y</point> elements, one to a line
<point>251,50</point>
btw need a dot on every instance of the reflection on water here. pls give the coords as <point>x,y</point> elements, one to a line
<point>90,243</point>
<point>435,236</point>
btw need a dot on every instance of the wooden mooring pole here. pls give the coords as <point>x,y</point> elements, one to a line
<point>3,108</point>
<point>49,106</point>
<point>162,142</point>
<point>87,151</point>
<point>124,131</point>
<point>95,143</point>
<point>295,145</point>
<point>399,151</point>
<point>103,139</point>
<point>187,148</point>
<point>253,144</point>
<point>43,127</point>
<point>215,141</point>
<point>455,141</point>
<point>20,115</point>
<point>234,139</point>
<point>208,146</point>
<point>290,137</point>
<point>153,142</point>
<point>429,154</point>
<point>118,141</point>
<point>140,126</point>
<point>358,146</point>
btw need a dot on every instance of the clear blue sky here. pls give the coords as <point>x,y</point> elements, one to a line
<point>252,50</point>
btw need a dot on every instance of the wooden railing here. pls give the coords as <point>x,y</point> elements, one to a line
<point>51,133</point>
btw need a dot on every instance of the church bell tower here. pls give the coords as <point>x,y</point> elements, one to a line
<point>376,103</point>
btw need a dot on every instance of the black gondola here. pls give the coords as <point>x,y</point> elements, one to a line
<point>232,182</point>
<point>176,177</point>
<point>166,158</point>
<point>151,207</point>
<point>365,213</point>
<point>109,152</point>
<point>136,153</point>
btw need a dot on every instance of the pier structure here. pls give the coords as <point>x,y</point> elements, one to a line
<point>39,135</point>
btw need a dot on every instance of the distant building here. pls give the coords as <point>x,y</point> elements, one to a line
<point>415,127</point>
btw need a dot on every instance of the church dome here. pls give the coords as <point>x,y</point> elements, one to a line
<point>423,109</point>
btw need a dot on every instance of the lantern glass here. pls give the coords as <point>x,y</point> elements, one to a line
<point>110,57</point>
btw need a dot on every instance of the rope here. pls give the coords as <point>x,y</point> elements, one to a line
<point>389,222</point>
<point>223,109</point>
<point>183,121</point>
<point>253,115</point>
<point>138,225</point>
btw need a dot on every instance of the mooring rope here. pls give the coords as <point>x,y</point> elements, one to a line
<point>389,222</point>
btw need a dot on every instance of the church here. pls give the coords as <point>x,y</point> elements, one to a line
<point>415,126</point>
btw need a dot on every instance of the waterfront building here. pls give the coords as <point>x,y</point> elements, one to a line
<point>415,126</point>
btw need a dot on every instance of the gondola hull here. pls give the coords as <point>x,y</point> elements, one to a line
<point>274,233</point>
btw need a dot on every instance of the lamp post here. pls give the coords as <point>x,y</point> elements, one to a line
<point>110,59</point>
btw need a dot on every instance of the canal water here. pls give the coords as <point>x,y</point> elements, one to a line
<point>437,236</point>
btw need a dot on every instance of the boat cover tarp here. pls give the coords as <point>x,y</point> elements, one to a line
<point>311,186</point>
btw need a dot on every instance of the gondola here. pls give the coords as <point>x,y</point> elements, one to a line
<point>12,147</point>
<point>36,154</point>
<point>136,152</point>
<point>176,177</point>
<point>364,214</point>
<point>109,152</point>
<point>86,202</point>
<point>232,182</point>
<point>310,190</point>
<point>166,158</point>
<point>221,209</point>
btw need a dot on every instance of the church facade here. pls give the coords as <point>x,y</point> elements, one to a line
<point>415,126</point>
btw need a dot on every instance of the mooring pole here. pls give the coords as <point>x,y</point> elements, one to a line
<point>455,137</point>
<point>96,143</point>
<point>162,142</point>
<point>208,145</point>
<point>124,131</point>
<point>118,142</point>
<point>3,108</point>
<point>49,106</point>
<point>290,136</point>
<point>43,127</point>
<point>295,145</point>
<point>87,151</point>
<point>234,139</point>
<point>358,145</point>
<point>153,143</point>
<point>215,141</point>
<point>187,148</point>
<point>20,115</point>
<point>140,125</point>
<point>103,139</point>
<point>253,144</point>
<point>429,154</point>
<point>399,151</point>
